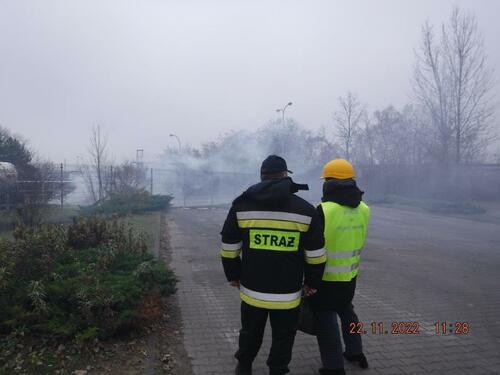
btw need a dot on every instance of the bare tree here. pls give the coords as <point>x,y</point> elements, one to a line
<point>452,82</point>
<point>413,128</point>
<point>365,140</point>
<point>472,85</point>
<point>347,120</point>
<point>429,87</point>
<point>94,172</point>
<point>496,156</point>
<point>127,176</point>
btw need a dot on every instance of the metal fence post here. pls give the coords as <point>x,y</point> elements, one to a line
<point>151,181</point>
<point>112,179</point>
<point>62,186</point>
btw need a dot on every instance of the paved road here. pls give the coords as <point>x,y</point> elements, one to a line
<point>416,267</point>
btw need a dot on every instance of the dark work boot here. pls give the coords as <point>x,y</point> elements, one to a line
<point>330,371</point>
<point>360,358</point>
<point>282,370</point>
<point>243,369</point>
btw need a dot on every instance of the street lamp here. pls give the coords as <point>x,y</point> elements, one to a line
<point>178,141</point>
<point>282,110</point>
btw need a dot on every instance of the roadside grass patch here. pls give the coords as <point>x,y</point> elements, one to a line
<point>7,220</point>
<point>147,223</point>
<point>54,214</point>
<point>50,214</point>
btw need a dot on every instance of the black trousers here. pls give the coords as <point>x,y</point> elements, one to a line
<point>284,327</point>
<point>328,336</point>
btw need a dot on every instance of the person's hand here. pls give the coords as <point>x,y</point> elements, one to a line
<point>308,291</point>
<point>235,283</point>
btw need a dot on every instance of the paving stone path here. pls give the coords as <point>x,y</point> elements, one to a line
<point>415,268</point>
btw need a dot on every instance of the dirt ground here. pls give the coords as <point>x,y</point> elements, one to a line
<point>157,350</point>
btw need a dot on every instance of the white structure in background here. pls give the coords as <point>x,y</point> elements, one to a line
<point>8,173</point>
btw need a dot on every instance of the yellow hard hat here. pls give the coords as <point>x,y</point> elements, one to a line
<point>338,168</point>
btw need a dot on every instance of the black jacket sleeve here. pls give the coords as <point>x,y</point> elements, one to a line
<point>231,247</point>
<point>321,215</point>
<point>314,252</point>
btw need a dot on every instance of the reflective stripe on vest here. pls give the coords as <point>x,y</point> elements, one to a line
<point>335,269</point>
<point>343,254</point>
<point>345,232</point>
<point>273,301</point>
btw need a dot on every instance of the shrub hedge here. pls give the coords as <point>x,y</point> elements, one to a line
<point>129,201</point>
<point>81,281</point>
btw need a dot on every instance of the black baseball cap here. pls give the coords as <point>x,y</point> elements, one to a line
<point>274,164</point>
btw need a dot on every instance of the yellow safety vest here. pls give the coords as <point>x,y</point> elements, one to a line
<point>345,233</point>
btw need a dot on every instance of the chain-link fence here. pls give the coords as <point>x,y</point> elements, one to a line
<point>209,188</point>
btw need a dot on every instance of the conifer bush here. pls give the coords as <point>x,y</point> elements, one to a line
<point>129,201</point>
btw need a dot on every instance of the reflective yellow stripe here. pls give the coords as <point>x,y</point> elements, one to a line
<point>278,297</point>
<point>340,273</point>
<point>273,215</point>
<point>231,246</point>
<point>336,269</point>
<point>272,305</point>
<point>273,224</point>
<point>316,260</point>
<point>343,262</point>
<point>343,254</point>
<point>230,254</point>
<point>315,253</point>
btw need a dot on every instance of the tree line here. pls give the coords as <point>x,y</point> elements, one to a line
<point>448,123</point>
<point>451,118</point>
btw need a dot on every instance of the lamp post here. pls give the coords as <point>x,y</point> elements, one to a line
<point>282,110</point>
<point>178,141</point>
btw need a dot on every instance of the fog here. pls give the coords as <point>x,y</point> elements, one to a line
<point>128,128</point>
<point>145,69</point>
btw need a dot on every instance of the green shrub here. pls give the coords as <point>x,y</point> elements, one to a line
<point>129,201</point>
<point>84,281</point>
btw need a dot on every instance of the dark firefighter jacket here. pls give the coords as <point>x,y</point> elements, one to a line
<point>337,295</point>
<point>280,238</point>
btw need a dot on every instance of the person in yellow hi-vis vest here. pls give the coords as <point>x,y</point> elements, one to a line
<point>345,218</point>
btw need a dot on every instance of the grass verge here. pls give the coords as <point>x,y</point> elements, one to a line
<point>146,223</point>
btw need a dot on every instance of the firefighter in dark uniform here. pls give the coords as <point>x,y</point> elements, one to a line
<point>280,238</point>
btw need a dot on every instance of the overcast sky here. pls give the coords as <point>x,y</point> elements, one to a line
<point>144,69</point>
